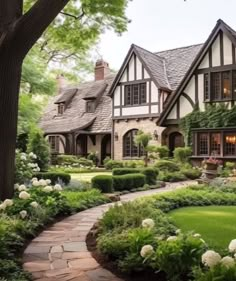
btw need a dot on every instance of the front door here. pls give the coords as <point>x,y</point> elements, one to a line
<point>176,139</point>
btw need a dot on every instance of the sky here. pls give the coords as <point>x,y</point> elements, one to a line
<point>165,24</point>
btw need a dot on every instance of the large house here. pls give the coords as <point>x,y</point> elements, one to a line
<point>151,92</point>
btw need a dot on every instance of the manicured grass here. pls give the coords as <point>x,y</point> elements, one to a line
<point>216,224</point>
<point>87,176</point>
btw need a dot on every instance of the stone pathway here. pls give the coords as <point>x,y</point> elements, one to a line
<point>60,252</point>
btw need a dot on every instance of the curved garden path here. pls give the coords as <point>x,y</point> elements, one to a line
<point>60,252</point>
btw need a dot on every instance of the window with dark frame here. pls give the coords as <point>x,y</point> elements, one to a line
<point>203,143</point>
<point>130,149</point>
<point>226,91</point>
<point>135,94</point>
<point>215,86</point>
<point>230,144</point>
<point>90,106</point>
<point>60,108</point>
<point>206,86</point>
<point>215,144</point>
<point>54,142</point>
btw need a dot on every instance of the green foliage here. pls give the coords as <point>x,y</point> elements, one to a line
<point>215,116</point>
<point>151,175</point>
<point>167,165</point>
<point>191,173</point>
<point>65,159</point>
<point>39,146</point>
<point>182,154</point>
<point>124,171</point>
<point>93,156</point>
<point>171,176</point>
<point>163,151</point>
<point>85,162</point>
<point>112,164</point>
<point>128,182</point>
<point>142,139</point>
<point>177,257</point>
<point>12,271</point>
<point>54,177</point>
<point>133,163</point>
<point>103,183</point>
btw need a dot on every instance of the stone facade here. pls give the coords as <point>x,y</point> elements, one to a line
<point>121,127</point>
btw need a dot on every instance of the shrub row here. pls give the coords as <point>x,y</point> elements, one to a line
<point>54,177</point>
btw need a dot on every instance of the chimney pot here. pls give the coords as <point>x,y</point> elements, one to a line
<point>101,69</point>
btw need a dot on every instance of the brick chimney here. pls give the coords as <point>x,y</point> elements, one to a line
<point>61,83</point>
<point>101,69</point>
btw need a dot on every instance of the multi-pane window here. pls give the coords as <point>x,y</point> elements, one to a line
<point>90,106</point>
<point>129,147</point>
<point>60,108</point>
<point>230,144</point>
<point>206,86</point>
<point>203,143</point>
<point>222,86</point>
<point>215,143</point>
<point>54,142</point>
<point>136,94</point>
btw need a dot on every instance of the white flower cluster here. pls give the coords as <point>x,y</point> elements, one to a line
<point>148,223</point>
<point>5,204</point>
<point>146,251</point>
<point>172,238</point>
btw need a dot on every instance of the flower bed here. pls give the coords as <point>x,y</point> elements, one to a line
<point>139,237</point>
<point>31,209</point>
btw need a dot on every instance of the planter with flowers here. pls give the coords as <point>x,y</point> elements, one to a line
<point>210,166</point>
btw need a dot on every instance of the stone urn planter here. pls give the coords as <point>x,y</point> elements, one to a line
<point>211,166</point>
<point>210,170</point>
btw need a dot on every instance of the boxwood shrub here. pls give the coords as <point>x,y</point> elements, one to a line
<point>128,182</point>
<point>54,177</point>
<point>103,183</point>
<point>167,165</point>
<point>151,175</point>
<point>125,171</point>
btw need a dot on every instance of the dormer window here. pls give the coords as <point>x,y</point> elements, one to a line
<point>90,106</point>
<point>60,108</point>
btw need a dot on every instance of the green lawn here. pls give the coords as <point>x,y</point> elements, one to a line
<point>216,224</point>
<point>87,176</point>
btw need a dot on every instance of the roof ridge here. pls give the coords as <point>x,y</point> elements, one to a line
<point>184,47</point>
<point>134,45</point>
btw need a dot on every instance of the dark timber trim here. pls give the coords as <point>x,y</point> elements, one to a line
<point>189,99</point>
<point>178,108</point>
<point>196,91</point>
<point>127,69</point>
<point>221,49</point>
<point>135,67</point>
<point>121,100</point>
<point>210,57</point>
<point>216,69</point>
<point>150,96</point>
<point>233,53</point>
<point>139,116</point>
<point>134,82</point>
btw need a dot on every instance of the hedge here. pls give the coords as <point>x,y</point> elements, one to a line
<point>103,183</point>
<point>150,173</point>
<point>128,182</point>
<point>54,177</point>
<point>167,165</point>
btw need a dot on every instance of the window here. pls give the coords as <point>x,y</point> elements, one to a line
<point>215,144</point>
<point>222,86</point>
<point>206,87</point>
<point>90,106</point>
<point>129,147</point>
<point>203,143</point>
<point>54,142</point>
<point>60,108</point>
<point>135,94</point>
<point>230,144</point>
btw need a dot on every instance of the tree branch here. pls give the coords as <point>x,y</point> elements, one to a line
<point>73,16</point>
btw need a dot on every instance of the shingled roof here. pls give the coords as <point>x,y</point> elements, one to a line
<point>75,117</point>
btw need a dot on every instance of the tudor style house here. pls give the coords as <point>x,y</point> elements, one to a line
<point>151,92</point>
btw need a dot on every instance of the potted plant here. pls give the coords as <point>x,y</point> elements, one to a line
<point>211,163</point>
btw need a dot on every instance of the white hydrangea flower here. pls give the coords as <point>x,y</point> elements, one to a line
<point>48,188</point>
<point>3,206</point>
<point>178,231</point>
<point>16,186</point>
<point>35,183</point>
<point>24,195</point>
<point>34,179</point>
<point>34,204</point>
<point>146,251</point>
<point>57,187</point>
<point>42,182</point>
<point>148,223</point>
<point>172,238</point>
<point>23,158</point>
<point>8,202</point>
<point>23,214</point>
<point>227,261</point>
<point>22,187</point>
<point>48,181</point>
<point>232,246</point>
<point>197,235</point>
<point>211,258</point>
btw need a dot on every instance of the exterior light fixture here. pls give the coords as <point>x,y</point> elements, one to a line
<point>155,135</point>
<point>116,136</point>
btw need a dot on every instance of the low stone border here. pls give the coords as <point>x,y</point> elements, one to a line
<point>60,252</point>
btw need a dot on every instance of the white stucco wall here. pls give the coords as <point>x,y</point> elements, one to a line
<point>154,92</point>
<point>173,113</point>
<point>205,62</point>
<point>135,110</point>
<point>228,58</point>
<point>185,106</point>
<point>216,52</point>
<point>117,96</point>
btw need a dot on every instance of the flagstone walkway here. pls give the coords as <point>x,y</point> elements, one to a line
<point>60,252</point>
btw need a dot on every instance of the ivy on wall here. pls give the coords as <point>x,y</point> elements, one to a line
<point>214,116</point>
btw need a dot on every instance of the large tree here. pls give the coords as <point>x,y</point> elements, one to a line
<point>22,23</point>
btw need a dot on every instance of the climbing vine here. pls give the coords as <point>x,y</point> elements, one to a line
<point>214,116</point>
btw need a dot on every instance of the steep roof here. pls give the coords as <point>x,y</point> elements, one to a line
<point>75,117</point>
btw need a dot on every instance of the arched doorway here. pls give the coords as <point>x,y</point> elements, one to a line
<point>105,147</point>
<point>176,139</point>
<point>82,145</point>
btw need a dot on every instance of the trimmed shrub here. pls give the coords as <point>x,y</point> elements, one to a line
<point>103,183</point>
<point>124,171</point>
<point>111,164</point>
<point>182,154</point>
<point>171,176</point>
<point>151,175</point>
<point>163,151</point>
<point>133,163</point>
<point>128,182</point>
<point>85,162</point>
<point>67,159</point>
<point>54,177</point>
<point>167,165</point>
<point>191,174</point>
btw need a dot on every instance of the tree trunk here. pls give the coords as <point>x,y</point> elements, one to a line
<point>10,72</point>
